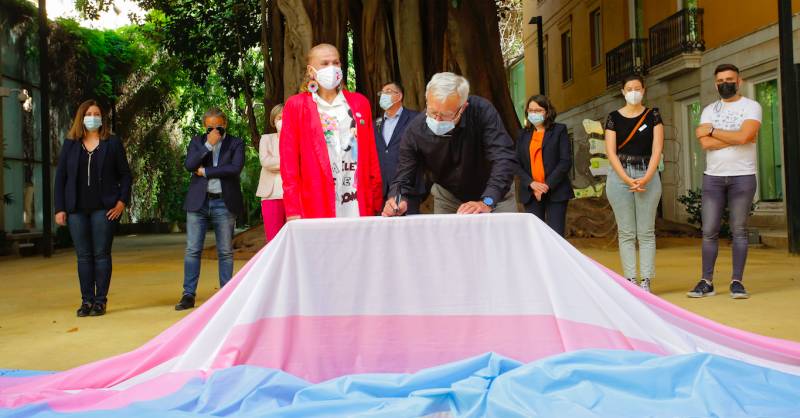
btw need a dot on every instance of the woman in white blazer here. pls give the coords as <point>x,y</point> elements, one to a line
<point>270,186</point>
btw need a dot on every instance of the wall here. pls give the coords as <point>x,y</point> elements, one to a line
<point>727,20</point>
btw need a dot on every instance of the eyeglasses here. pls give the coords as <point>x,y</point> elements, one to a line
<point>387,92</point>
<point>445,116</point>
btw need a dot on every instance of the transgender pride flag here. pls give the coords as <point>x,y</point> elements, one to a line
<point>491,315</point>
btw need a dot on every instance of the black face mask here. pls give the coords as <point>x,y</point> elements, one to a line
<point>221,130</point>
<point>726,90</point>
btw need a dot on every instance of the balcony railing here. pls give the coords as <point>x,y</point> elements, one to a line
<point>626,59</point>
<point>680,33</point>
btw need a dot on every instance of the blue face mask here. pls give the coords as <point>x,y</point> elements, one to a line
<point>440,128</point>
<point>385,101</point>
<point>535,118</point>
<point>92,123</point>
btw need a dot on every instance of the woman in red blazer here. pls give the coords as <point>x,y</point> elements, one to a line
<point>323,122</point>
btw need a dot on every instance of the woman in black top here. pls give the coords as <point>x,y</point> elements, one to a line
<point>92,188</point>
<point>634,141</point>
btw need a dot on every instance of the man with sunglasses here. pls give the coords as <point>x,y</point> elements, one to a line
<point>214,199</point>
<point>462,142</point>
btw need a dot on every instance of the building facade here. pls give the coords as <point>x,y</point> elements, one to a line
<point>590,45</point>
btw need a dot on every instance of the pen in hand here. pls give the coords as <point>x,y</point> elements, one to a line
<point>397,200</point>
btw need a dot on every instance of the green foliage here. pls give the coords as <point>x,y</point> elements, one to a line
<point>104,59</point>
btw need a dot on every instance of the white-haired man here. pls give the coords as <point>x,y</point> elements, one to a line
<point>462,143</point>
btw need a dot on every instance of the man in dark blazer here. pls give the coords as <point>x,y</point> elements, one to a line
<point>214,199</point>
<point>389,130</point>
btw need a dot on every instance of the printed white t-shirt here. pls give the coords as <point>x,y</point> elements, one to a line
<point>339,134</point>
<point>736,160</point>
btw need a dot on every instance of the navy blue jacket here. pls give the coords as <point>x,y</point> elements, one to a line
<point>115,174</point>
<point>229,166</point>
<point>557,158</point>
<point>389,155</point>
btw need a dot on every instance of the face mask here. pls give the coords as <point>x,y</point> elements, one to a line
<point>727,90</point>
<point>535,118</point>
<point>440,128</point>
<point>386,101</point>
<point>278,124</point>
<point>92,123</point>
<point>633,97</point>
<point>329,77</point>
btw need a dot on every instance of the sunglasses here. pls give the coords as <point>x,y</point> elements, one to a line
<point>220,129</point>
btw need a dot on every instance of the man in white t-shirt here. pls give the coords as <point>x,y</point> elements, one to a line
<point>727,131</point>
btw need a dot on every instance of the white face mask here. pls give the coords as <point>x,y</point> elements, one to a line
<point>634,97</point>
<point>278,124</point>
<point>440,128</point>
<point>329,77</point>
<point>385,101</point>
<point>92,123</point>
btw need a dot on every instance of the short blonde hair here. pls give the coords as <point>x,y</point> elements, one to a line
<point>274,113</point>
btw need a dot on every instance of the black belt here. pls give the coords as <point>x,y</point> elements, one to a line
<point>212,196</point>
<point>636,161</point>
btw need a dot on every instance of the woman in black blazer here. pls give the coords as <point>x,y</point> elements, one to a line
<point>92,188</point>
<point>543,150</point>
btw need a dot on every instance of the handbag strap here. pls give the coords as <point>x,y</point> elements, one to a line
<point>633,131</point>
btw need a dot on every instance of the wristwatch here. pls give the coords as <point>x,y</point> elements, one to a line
<point>488,201</point>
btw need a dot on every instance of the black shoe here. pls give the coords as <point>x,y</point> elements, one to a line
<point>98,309</point>
<point>187,302</point>
<point>84,309</point>
<point>737,290</point>
<point>702,290</point>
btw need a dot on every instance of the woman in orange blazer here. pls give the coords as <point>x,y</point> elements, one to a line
<point>329,164</point>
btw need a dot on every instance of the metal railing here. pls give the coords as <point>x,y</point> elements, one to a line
<point>628,58</point>
<point>680,33</point>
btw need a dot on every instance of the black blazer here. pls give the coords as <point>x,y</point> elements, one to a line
<point>229,166</point>
<point>115,174</point>
<point>557,158</point>
<point>389,155</point>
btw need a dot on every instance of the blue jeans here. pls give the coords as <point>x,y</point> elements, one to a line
<point>735,192</point>
<point>92,234</point>
<point>636,218</point>
<point>223,222</point>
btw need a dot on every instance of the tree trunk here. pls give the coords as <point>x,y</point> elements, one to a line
<point>297,42</point>
<point>409,45</point>
<point>252,124</point>
<point>276,34</point>
<point>269,80</point>
<point>473,38</point>
<point>378,60</point>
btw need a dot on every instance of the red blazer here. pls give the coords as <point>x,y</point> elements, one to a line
<point>308,185</point>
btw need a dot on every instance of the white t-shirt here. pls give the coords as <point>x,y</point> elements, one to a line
<point>340,139</point>
<point>736,160</point>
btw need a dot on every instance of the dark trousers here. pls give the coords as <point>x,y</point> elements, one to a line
<point>554,214</point>
<point>92,234</point>
<point>735,192</point>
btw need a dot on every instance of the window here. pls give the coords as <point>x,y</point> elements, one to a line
<point>596,41</point>
<point>566,56</point>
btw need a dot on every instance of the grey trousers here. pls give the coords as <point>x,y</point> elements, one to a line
<point>445,202</point>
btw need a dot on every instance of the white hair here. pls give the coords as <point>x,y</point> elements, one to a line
<point>444,85</point>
